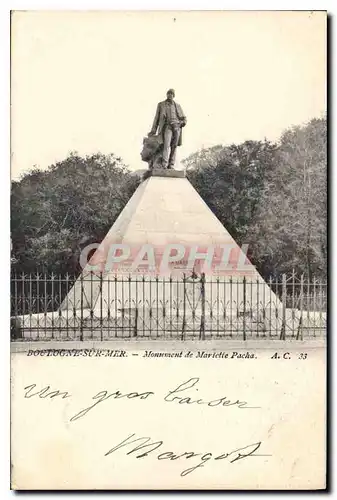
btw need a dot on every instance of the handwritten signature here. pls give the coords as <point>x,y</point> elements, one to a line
<point>147,446</point>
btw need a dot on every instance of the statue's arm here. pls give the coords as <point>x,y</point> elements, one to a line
<point>183,119</point>
<point>155,121</point>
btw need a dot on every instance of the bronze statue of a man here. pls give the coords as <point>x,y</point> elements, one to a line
<point>168,123</point>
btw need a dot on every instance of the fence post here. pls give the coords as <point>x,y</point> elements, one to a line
<point>60,301</point>
<point>91,305</point>
<point>101,302</point>
<point>81,319</point>
<point>184,310</point>
<point>16,330</point>
<point>300,328</point>
<point>16,310</point>
<point>284,307</point>
<point>135,326</point>
<point>202,296</point>
<point>293,316</point>
<point>52,302</point>
<point>67,310</point>
<point>314,304</point>
<point>45,304</point>
<point>244,308</point>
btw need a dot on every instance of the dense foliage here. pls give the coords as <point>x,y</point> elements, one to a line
<point>55,213</point>
<point>269,195</point>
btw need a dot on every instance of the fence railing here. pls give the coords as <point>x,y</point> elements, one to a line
<point>103,307</point>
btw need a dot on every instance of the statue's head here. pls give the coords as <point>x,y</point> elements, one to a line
<point>170,94</point>
<point>151,146</point>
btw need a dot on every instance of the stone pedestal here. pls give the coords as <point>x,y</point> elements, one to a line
<point>161,172</point>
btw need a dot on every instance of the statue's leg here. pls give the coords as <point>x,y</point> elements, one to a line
<point>166,146</point>
<point>174,144</point>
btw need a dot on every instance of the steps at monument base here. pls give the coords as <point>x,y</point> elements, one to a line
<point>124,334</point>
<point>87,325</point>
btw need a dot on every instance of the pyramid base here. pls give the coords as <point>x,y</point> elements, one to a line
<point>99,325</point>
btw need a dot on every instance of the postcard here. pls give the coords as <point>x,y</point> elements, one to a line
<point>168,250</point>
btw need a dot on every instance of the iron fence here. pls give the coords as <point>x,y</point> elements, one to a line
<point>102,307</point>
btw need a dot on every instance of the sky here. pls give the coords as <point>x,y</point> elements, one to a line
<point>89,81</point>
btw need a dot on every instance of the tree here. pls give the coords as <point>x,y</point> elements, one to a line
<point>271,197</point>
<point>231,180</point>
<point>289,230</point>
<point>55,213</point>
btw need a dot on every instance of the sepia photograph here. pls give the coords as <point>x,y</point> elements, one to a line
<point>169,280</point>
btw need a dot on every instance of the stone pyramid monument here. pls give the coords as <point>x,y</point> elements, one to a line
<point>166,211</point>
